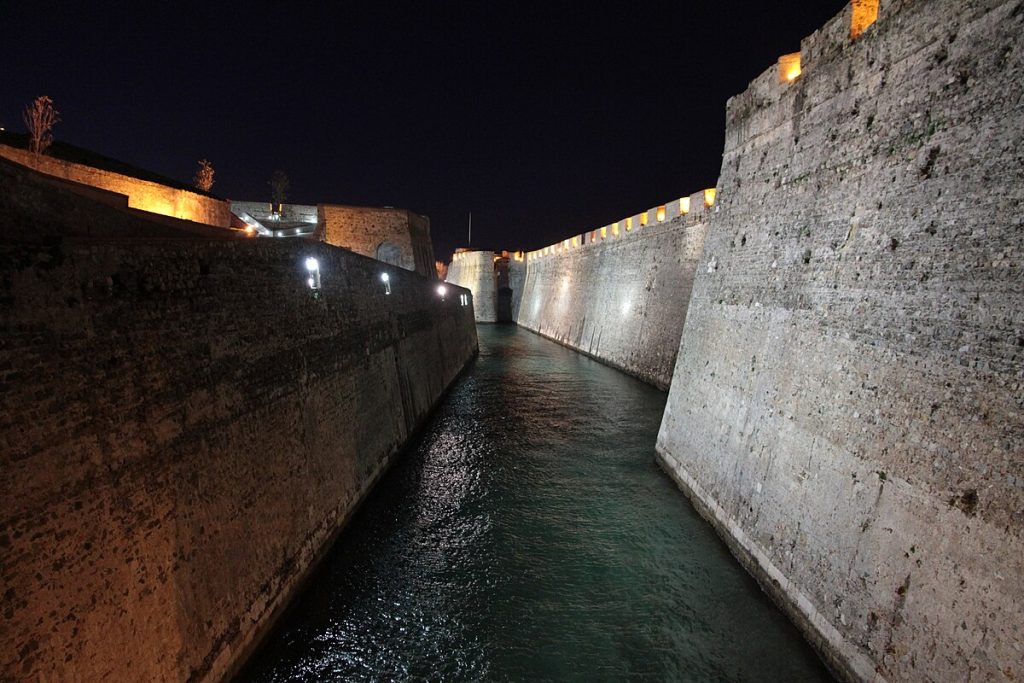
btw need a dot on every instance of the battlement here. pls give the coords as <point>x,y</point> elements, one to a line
<point>692,209</point>
<point>743,111</point>
<point>847,26</point>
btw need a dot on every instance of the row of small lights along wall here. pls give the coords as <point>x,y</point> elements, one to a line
<point>313,281</point>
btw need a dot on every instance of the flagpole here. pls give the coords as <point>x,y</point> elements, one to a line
<point>469,237</point>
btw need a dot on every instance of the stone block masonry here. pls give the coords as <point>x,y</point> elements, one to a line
<point>620,293</point>
<point>388,234</point>
<point>847,408</point>
<point>184,426</point>
<point>474,270</point>
<point>144,195</point>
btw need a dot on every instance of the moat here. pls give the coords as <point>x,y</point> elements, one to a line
<point>528,534</point>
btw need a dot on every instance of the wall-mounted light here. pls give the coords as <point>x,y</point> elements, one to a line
<point>387,283</point>
<point>313,267</point>
<point>441,291</point>
<point>789,67</point>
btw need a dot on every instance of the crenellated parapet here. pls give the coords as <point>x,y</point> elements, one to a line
<point>689,210</point>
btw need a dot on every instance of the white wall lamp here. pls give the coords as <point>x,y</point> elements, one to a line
<point>313,268</point>
<point>441,291</point>
<point>387,283</point>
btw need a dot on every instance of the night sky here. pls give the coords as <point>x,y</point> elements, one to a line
<point>544,119</point>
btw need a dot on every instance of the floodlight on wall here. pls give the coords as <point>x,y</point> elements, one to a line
<point>789,67</point>
<point>387,283</point>
<point>441,291</point>
<point>313,267</point>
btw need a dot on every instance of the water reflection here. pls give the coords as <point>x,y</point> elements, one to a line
<point>529,535</point>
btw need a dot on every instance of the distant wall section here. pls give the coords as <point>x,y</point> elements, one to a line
<point>396,236</point>
<point>847,408</point>
<point>144,195</point>
<point>620,293</point>
<point>474,270</point>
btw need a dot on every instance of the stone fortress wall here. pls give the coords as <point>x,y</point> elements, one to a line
<point>397,236</point>
<point>474,270</point>
<point>620,293</point>
<point>847,407</point>
<point>184,427</point>
<point>144,195</point>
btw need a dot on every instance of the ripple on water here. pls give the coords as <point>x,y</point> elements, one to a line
<point>529,535</point>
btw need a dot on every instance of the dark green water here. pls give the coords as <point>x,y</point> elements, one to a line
<point>529,535</point>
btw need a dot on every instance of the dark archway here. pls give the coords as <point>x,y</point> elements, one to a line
<point>504,313</point>
<point>389,252</point>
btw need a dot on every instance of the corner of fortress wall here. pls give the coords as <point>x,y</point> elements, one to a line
<point>186,426</point>
<point>619,293</point>
<point>847,406</point>
<point>474,270</point>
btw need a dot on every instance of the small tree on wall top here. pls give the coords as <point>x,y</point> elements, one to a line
<point>40,117</point>
<point>203,179</point>
<point>442,270</point>
<point>278,189</point>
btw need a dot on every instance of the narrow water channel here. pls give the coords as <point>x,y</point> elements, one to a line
<point>528,535</point>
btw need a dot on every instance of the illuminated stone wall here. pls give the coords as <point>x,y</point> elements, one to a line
<point>517,280</point>
<point>142,194</point>
<point>184,426</point>
<point>364,229</point>
<point>474,270</point>
<point>619,293</point>
<point>847,407</point>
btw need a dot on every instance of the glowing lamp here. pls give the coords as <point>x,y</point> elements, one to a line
<point>312,264</point>
<point>384,277</point>
<point>442,290</point>
<point>684,205</point>
<point>863,14</point>
<point>709,196</point>
<point>789,67</point>
<point>661,213</point>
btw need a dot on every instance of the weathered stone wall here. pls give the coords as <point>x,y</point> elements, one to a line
<point>848,405</point>
<point>474,270</point>
<point>142,194</point>
<point>517,280</point>
<point>183,428</point>
<point>619,295</point>
<point>364,229</point>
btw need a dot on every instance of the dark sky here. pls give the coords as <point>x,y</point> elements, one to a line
<point>544,119</point>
